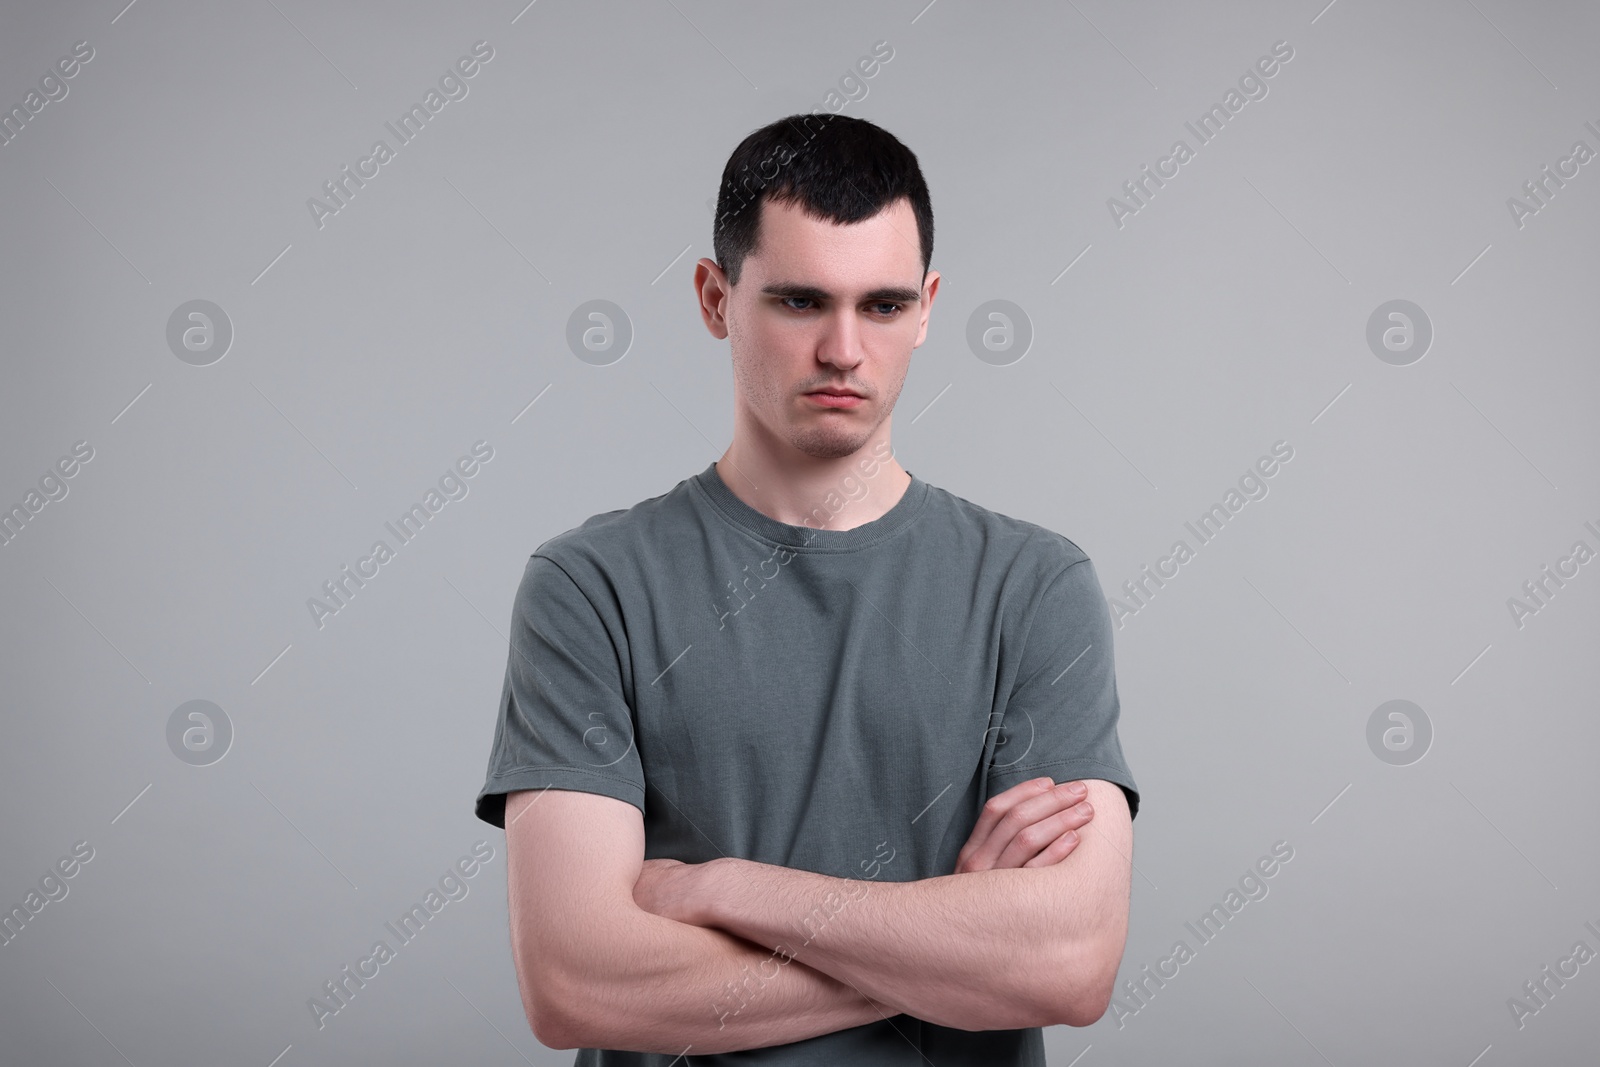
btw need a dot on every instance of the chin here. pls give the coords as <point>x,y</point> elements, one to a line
<point>829,446</point>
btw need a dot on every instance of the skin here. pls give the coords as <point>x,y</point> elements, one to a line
<point>1032,824</point>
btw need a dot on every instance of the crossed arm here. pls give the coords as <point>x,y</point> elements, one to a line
<point>613,951</point>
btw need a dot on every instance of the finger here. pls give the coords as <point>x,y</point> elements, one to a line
<point>1034,838</point>
<point>1029,841</point>
<point>996,807</point>
<point>1021,815</point>
<point>1003,802</point>
<point>1024,813</point>
<point>1059,849</point>
<point>984,844</point>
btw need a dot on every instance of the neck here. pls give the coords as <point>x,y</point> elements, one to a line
<point>802,490</point>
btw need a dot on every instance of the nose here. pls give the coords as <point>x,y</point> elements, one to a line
<point>840,343</point>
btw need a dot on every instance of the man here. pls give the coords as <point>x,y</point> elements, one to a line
<point>783,754</point>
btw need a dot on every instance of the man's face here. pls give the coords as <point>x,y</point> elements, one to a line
<point>822,306</point>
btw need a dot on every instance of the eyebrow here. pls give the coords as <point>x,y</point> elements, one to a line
<point>896,293</point>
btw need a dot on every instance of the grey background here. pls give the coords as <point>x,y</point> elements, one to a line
<point>369,354</point>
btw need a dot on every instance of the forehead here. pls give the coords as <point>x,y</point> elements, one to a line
<point>884,247</point>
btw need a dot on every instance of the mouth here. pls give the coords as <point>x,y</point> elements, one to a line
<point>836,398</point>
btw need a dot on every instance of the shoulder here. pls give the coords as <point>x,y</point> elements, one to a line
<point>598,551</point>
<point>1032,555</point>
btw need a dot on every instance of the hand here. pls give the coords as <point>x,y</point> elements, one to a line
<point>1028,825</point>
<point>668,888</point>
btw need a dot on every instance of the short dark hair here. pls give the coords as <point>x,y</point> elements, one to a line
<point>835,167</point>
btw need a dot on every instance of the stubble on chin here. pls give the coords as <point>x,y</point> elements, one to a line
<point>820,444</point>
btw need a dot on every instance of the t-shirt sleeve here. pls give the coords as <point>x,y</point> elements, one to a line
<point>564,721</point>
<point>1061,718</point>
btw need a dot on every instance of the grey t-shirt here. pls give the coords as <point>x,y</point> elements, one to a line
<point>836,701</point>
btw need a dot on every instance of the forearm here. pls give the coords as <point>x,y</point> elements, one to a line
<point>656,985</point>
<point>976,951</point>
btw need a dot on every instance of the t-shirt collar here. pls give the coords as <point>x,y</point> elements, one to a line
<point>807,538</point>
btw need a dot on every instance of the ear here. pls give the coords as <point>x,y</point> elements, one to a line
<point>930,288</point>
<point>712,291</point>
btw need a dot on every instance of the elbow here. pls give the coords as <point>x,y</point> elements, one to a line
<point>1085,994</point>
<point>1090,1005</point>
<point>553,1033</point>
<point>552,1011</point>
<point>552,1039</point>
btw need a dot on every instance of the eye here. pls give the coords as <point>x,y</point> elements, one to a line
<point>805,299</point>
<point>893,308</point>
